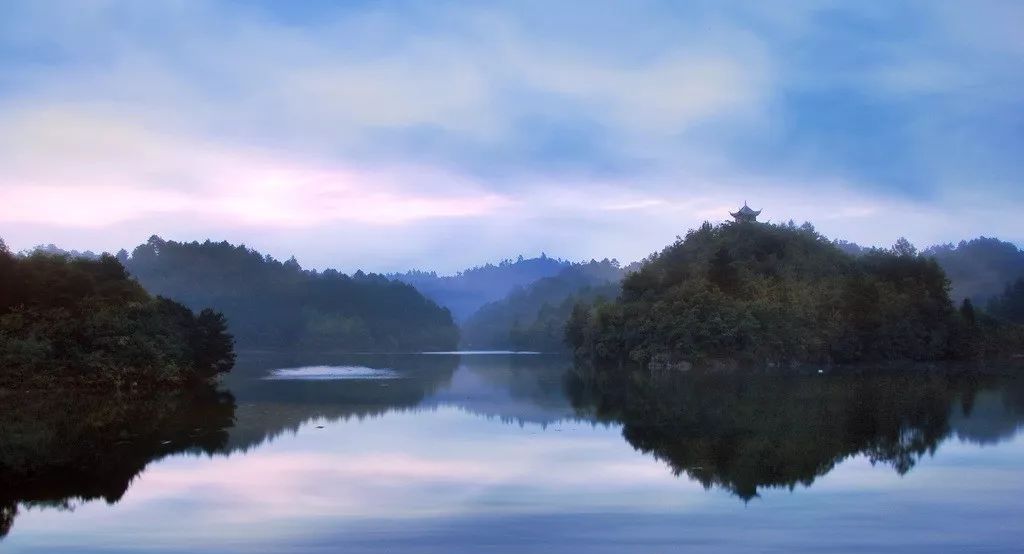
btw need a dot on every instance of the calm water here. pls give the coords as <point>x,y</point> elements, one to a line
<point>508,453</point>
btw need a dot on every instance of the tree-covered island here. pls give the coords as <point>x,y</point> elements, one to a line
<point>746,292</point>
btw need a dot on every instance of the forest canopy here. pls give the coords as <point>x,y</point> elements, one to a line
<point>979,268</point>
<point>763,293</point>
<point>533,317</point>
<point>1010,304</point>
<point>79,322</point>
<point>465,292</point>
<point>274,304</point>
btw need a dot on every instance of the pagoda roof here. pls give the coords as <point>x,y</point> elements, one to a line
<point>745,210</point>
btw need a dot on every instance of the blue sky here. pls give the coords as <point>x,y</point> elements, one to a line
<point>387,135</point>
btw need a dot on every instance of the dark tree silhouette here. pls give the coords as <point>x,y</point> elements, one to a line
<point>1010,304</point>
<point>68,322</point>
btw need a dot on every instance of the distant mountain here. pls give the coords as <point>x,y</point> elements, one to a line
<point>533,317</point>
<point>980,268</point>
<point>274,304</point>
<point>466,291</point>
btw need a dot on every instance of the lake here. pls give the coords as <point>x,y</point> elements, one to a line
<point>516,453</point>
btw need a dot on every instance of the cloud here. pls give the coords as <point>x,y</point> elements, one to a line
<point>535,126</point>
<point>112,170</point>
<point>472,78</point>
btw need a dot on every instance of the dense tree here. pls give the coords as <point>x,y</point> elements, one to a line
<point>78,321</point>
<point>980,268</point>
<point>1010,304</point>
<point>762,293</point>
<point>534,317</point>
<point>467,291</point>
<point>967,314</point>
<point>55,250</point>
<point>278,304</point>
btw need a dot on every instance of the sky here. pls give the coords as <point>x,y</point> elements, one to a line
<point>441,135</point>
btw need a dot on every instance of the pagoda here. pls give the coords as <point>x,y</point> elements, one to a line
<point>745,214</point>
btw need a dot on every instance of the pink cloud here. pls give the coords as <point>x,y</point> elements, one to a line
<point>69,168</point>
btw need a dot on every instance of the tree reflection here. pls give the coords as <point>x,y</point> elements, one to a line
<point>268,409</point>
<point>739,432</point>
<point>62,448</point>
<point>743,432</point>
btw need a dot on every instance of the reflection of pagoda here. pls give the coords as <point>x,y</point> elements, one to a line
<point>745,214</point>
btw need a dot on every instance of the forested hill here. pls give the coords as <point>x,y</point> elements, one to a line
<point>980,268</point>
<point>466,291</point>
<point>274,304</point>
<point>75,322</point>
<point>533,317</point>
<point>761,293</point>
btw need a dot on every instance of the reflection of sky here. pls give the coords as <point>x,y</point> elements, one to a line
<point>533,395</point>
<point>444,479</point>
<point>323,372</point>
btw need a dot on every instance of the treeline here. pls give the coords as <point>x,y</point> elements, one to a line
<point>79,322</point>
<point>274,304</point>
<point>760,293</point>
<point>978,269</point>
<point>466,291</point>
<point>1010,304</point>
<point>533,317</point>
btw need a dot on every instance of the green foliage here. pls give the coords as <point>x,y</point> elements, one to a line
<point>75,321</point>
<point>1010,304</point>
<point>273,304</point>
<point>534,317</point>
<point>779,294</point>
<point>980,268</point>
<point>467,291</point>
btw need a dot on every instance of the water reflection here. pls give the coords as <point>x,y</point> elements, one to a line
<point>269,408</point>
<point>331,373</point>
<point>67,448</point>
<point>450,435</point>
<point>744,431</point>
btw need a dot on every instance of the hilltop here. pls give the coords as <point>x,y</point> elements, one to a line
<point>275,304</point>
<point>749,292</point>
